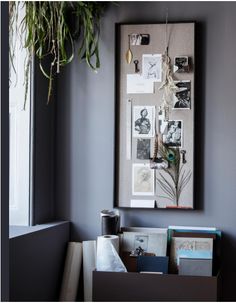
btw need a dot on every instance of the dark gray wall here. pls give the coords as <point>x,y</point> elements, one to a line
<point>37,263</point>
<point>4,228</point>
<point>44,152</point>
<point>85,129</point>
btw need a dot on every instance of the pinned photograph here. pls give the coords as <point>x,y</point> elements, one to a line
<point>182,98</point>
<point>143,121</point>
<point>181,64</point>
<point>139,39</point>
<point>143,149</point>
<point>173,138</point>
<point>152,67</point>
<point>162,121</point>
<point>143,180</point>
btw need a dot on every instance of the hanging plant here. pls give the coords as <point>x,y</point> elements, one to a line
<point>52,30</point>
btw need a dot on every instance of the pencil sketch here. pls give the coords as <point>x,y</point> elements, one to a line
<point>143,180</point>
<point>152,67</point>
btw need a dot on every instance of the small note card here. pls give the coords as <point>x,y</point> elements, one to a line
<point>142,203</point>
<point>136,84</point>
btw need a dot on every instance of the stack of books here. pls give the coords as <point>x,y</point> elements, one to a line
<point>194,250</point>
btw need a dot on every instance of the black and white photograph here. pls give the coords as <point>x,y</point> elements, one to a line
<point>152,67</point>
<point>143,121</point>
<point>139,39</point>
<point>182,98</point>
<point>143,149</point>
<point>162,120</point>
<point>143,180</point>
<point>173,138</point>
<point>181,64</point>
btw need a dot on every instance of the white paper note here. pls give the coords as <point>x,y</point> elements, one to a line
<point>128,129</point>
<point>136,84</point>
<point>142,203</point>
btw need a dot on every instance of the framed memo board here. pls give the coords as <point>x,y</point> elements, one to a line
<point>154,161</point>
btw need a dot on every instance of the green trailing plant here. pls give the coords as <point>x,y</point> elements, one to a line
<point>13,21</point>
<point>178,178</point>
<point>54,31</point>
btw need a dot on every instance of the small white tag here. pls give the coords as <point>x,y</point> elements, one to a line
<point>142,203</point>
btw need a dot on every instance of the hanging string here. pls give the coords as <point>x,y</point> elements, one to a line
<point>166,31</point>
<point>168,84</point>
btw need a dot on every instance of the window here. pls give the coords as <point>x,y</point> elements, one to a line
<point>19,132</point>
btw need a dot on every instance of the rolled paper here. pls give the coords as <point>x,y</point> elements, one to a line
<point>89,264</point>
<point>108,258</point>
<point>71,274</point>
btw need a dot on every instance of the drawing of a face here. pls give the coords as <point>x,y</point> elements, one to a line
<point>144,113</point>
<point>144,174</point>
<point>152,73</point>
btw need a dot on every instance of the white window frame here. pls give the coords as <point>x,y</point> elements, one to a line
<point>20,139</point>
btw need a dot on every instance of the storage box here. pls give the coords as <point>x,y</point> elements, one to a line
<point>141,287</point>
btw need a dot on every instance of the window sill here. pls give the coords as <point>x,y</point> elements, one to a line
<point>18,231</point>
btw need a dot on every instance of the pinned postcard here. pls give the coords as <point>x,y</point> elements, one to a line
<point>136,84</point>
